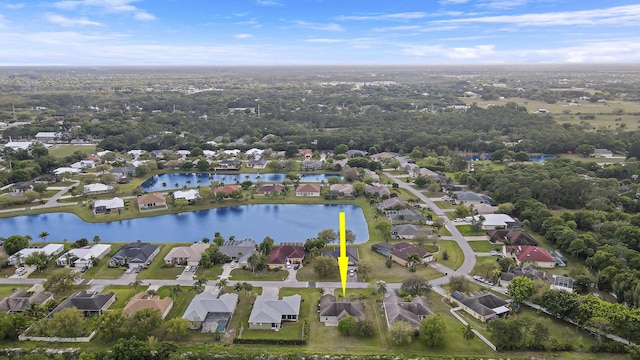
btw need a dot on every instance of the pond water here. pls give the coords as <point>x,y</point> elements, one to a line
<point>281,222</point>
<point>154,183</point>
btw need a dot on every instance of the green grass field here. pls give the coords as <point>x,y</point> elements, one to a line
<point>123,294</point>
<point>247,275</point>
<point>466,230</point>
<point>484,246</point>
<point>61,151</point>
<point>456,257</point>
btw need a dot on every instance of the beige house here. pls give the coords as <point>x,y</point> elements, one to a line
<point>143,301</point>
<point>269,313</point>
<point>186,255</point>
<point>151,202</point>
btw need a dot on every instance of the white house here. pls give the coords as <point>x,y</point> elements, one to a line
<point>81,258</point>
<point>49,249</point>
<point>94,189</point>
<point>496,221</point>
<point>189,195</point>
<point>107,206</point>
<point>135,153</point>
<point>62,170</point>
<point>233,153</point>
<point>47,136</point>
<point>254,153</point>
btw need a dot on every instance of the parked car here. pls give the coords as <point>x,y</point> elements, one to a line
<point>494,253</point>
<point>187,268</point>
<point>232,265</point>
<point>296,266</point>
<point>478,278</point>
<point>352,272</point>
<point>21,271</point>
<point>287,265</point>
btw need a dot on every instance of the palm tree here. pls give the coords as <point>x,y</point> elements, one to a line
<point>198,287</point>
<point>199,182</point>
<point>175,291</point>
<point>187,183</point>
<point>135,285</point>
<point>96,239</point>
<point>222,283</point>
<point>164,185</point>
<point>176,185</point>
<point>253,261</point>
<point>412,260</point>
<point>381,287</point>
<point>467,332</point>
<point>43,235</point>
<point>151,292</point>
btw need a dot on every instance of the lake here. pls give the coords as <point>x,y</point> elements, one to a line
<point>154,183</point>
<point>281,222</point>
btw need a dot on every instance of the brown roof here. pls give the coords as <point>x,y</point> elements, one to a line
<point>151,199</point>
<point>308,188</point>
<point>143,301</point>
<point>227,189</point>
<point>403,250</point>
<point>513,237</point>
<point>269,188</point>
<point>280,254</point>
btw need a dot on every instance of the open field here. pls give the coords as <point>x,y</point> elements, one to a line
<point>484,246</point>
<point>61,151</point>
<point>456,257</point>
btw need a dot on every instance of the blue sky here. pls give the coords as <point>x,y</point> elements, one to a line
<point>300,32</point>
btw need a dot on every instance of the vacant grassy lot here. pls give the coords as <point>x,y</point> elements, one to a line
<point>61,151</point>
<point>444,204</point>
<point>6,290</point>
<point>211,273</point>
<point>181,302</point>
<point>484,246</point>
<point>456,257</point>
<point>158,269</point>
<point>123,294</point>
<point>466,230</point>
<point>396,273</point>
<point>247,275</point>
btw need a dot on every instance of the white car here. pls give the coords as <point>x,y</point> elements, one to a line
<point>287,265</point>
<point>21,271</point>
<point>187,268</point>
<point>232,265</point>
<point>352,272</point>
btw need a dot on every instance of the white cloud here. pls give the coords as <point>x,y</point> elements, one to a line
<point>318,26</point>
<point>619,15</point>
<point>457,53</point>
<point>505,4</point>
<point>325,40</point>
<point>376,17</point>
<point>453,2</point>
<point>15,6</point>
<point>398,28</point>
<point>109,6</point>
<point>242,36</point>
<point>268,3</point>
<point>68,22</point>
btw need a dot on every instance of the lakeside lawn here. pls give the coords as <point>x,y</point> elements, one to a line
<point>484,246</point>
<point>102,270</point>
<point>456,256</point>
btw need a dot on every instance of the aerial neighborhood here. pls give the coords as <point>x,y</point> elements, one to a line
<point>460,241</point>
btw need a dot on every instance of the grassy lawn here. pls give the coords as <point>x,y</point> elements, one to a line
<point>247,275</point>
<point>6,290</point>
<point>181,303</point>
<point>102,270</point>
<point>444,205</point>
<point>466,230</point>
<point>123,294</point>
<point>307,273</point>
<point>157,269</point>
<point>211,273</point>
<point>61,151</point>
<point>484,246</point>
<point>240,317</point>
<point>456,257</point>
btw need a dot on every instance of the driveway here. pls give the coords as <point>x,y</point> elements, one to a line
<point>271,291</point>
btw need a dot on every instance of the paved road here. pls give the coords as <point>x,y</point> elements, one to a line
<point>469,256</point>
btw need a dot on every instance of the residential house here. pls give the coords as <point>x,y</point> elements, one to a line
<point>283,254</point>
<point>499,221</point>
<point>141,301</point>
<point>49,250</point>
<point>135,153</point>
<point>308,190</point>
<point>483,306</point>
<point>268,189</point>
<point>342,190</point>
<point>254,153</point>
<point>134,255</point>
<point>231,153</point>
<point>90,303</point>
<point>405,216</point>
<point>83,258</point>
<point>485,209</point>
<point>377,191</point>
<point>400,252</point>
<point>269,313</point>
<point>210,313</point>
<point>22,186</point>
<point>352,254</point>
<point>107,206</point>
<point>96,189</point>
<point>239,251</point>
<point>512,237</point>
<point>603,153</point>
<point>20,300</point>
<point>186,255</point>
<point>371,175</point>
<point>190,195</point>
<point>354,153</point>
<point>332,310</point>
<point>311,165</point>
<point>84,164</point>
<point>469,197</point>
<point>257,164</point>
<point>534,254</point>
<point>124,174</point>
<point>65,170</point>
<point>153,201</point>
<point>383,156</point>
<point>227,189</point>
<point>527,270</point>
<point>305,153</point>
<point>398,309</point>
<point>562,283</point>
<point>392,203</point>
<point>183,153</point>
<point>408,231</point>
<point>229,165</point>
<point>47,136</point>
<point>160,154</point>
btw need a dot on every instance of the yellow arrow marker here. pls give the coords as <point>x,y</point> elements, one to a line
<point>343,259</point>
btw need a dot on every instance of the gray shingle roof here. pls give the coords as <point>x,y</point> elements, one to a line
<point>329,306</point>
<point>206,302</point>
<point>268,309</point>
<point>397,309</point>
